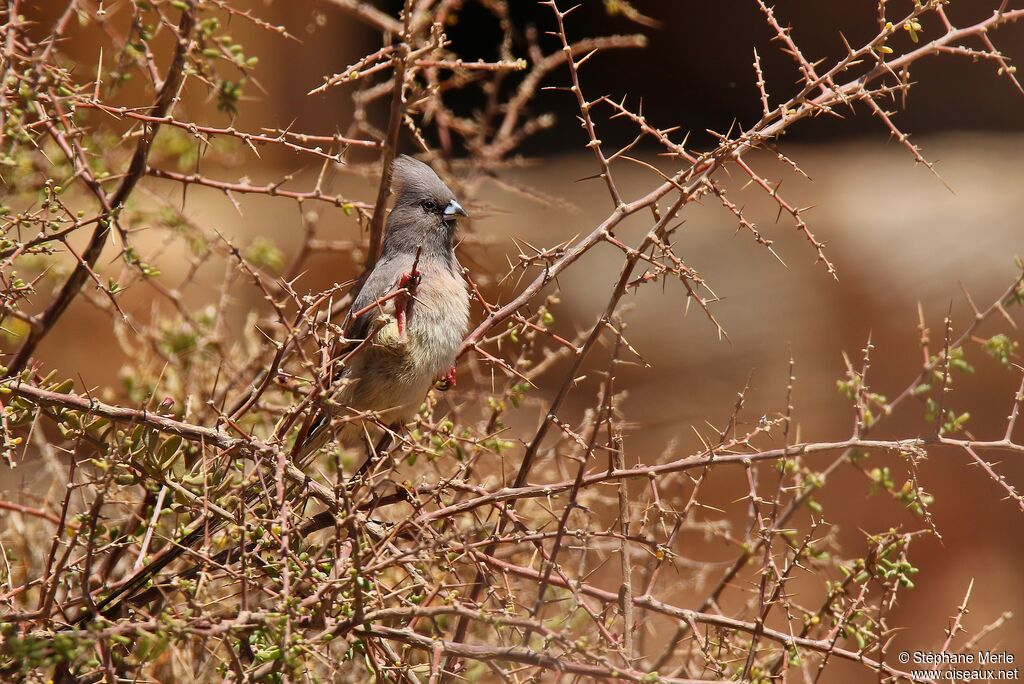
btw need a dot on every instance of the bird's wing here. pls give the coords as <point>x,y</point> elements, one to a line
<point>381,282</point>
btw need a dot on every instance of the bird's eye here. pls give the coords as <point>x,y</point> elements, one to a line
<point>429,205</point>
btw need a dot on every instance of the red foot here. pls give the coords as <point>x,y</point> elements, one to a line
<point>448,381</point>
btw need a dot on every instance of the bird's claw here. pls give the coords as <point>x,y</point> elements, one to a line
<point>448,381</point>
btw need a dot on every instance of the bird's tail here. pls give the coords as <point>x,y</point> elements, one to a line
<point>317,436</point>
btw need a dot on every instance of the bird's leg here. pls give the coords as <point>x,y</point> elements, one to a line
<point>448,381</point>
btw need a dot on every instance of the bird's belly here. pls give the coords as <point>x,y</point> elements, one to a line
<point>394,375</point>
<point>434,338</point>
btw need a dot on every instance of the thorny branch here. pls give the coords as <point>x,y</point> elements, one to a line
<point>176,519</point>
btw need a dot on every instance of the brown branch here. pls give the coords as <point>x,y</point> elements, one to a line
<point>167,95</point>
<point>387,160</point>
<point>247,188</point>
<point>369,14</point>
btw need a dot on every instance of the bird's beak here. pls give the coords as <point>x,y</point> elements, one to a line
<point>454,209</point>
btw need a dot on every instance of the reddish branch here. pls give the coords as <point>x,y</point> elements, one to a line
<point>410,586</point>
<point>166,97</point>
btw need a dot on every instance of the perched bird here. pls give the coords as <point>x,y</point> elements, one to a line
<point>405,326</point>
<point>402,333</point>
<point>412,311</point>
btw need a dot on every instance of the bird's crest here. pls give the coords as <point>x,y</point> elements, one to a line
<point>412,177</point>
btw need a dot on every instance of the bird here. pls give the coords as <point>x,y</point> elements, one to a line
<point>401,335</point>
<point>406,325</point>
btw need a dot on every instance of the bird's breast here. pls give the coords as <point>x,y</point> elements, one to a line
<point>395,373</point>
<point>438,320</point>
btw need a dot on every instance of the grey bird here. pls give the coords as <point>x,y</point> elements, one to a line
<point>416,335</point>
<point>408,321</point>
<point>402,334</point>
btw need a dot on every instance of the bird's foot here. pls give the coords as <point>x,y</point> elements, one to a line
<point>448,381</point>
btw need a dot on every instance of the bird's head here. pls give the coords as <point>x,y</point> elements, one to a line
<point>425,209</point>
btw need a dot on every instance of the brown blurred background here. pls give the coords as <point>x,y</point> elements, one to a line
<point>897,236</point>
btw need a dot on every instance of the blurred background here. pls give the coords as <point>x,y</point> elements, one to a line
<point>899,238</point>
